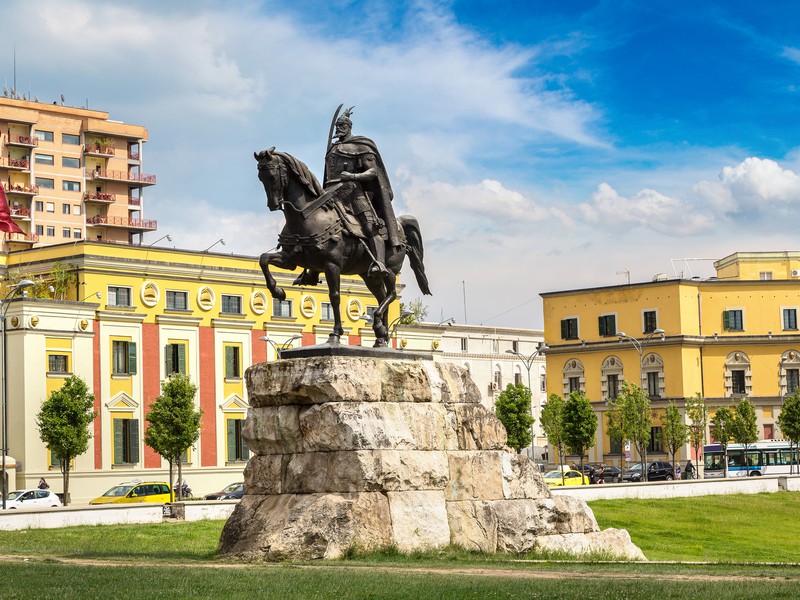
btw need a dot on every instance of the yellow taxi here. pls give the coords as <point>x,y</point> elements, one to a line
<point>135,491</point>
<point>571,477</point>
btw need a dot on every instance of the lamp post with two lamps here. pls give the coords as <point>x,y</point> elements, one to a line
<point>4,304</point>
<point>527,360</point>
<point>280,347</point>
<point>640,346</point>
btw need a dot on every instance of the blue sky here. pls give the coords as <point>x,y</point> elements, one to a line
<point>542,145</point>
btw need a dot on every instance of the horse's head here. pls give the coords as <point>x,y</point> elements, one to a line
<point>272,173</point>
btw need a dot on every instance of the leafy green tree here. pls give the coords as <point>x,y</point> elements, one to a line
<point>697,412</point>
<point>513,408</point>
<point>580,424</point>
<point>63,424</point>
<point>789,422</point>
<point>723,431</point>
<point>174,424</point>
<point>676,432</point>
<point>614,431</point>
<point>745,427</point>
<point>61,278</point>
<point>418,310</point>
<point>553,426</point>
<point>631,410</point>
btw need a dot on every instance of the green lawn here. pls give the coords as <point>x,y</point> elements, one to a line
<point>178,560</point>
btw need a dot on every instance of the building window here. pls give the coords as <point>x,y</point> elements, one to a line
<point>237,445</point>
<point>66,209</point>
<point>66,232</point>
<point>327,311</point>
<point>573,376</point>
<point>76,234</point>
<point>58,363</point>
<point>765,275</point>
<point>175,358</point>
<point>71,186</point>
<point>70,162</point>
<point>43,136</point>
<point>231,305</point>
<point>514,346</point>
<point>40,230</point>
<point>282,308</point>
<point>543,383</point>
<point>769,431</point>
<point>43,159</point>
<point>792,380</point>
<point>71,139</point>
<point>39,205</point>
<point>177,300</point>
<point>517,378</point>
<point>790,318</point>
<point>51,231</point>
<point>497,379</point>
<point>737,382</point>
<point>732,320</point>
<point>123,358</point>
<point>569,329</point>
<point>45,183</point>
<point>464,344</point>
<point>652,384</point>
<point>613,385</point>
<point>656,440</point>
<point>51,207</point>
<point>126,441</point>
<point>574,384</point>
<point>233,362</point>
<point>119,296</point>
<point>76,209</point>
<point>650,321</point>
<point>607,325</point>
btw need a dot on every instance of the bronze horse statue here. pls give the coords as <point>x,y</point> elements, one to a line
<point>317,237</point>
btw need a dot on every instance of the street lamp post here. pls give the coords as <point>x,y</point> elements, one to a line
<point>4,304</point>
<point>640,346</point>
<point>527,360</point>
<point>282,346</point>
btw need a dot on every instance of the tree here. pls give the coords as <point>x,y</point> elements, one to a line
<point>553,426</point>
<point>61,279</point>
<point>579,423</point>
<point>697,412</point>
<point>63,424</point>
<point>745,428</point>
<point>631,410</point>
<point>174,424</point>
<point>676,432</point>
<point>418,310</point>
<point>723,424</point>
<point>513,408</point>
<point>789,422</point>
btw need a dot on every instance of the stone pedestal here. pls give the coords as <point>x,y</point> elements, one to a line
<point>372,452</point>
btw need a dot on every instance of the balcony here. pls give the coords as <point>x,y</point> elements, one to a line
<point>113,175</point>
<point>21,212</point>
<point>133,154</point>
<point>97,150</point>
<point>26,141</point>
<point>141,224</point>
<point>23,238</point>
<point>21,190</point>
<point>103,197</point>
<point>18,164</point>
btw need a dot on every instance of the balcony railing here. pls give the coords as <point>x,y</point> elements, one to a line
<point>134,201</point>
<point>148,224</point>
<point>98,196</point>
<point>15,163</point>
<point>133,154</point>
<point>22,140</point>
<point>16,188</point>
<point>21,212</point>
<point>30,238</point>
<point>95,149</point>
<point>121,176</point>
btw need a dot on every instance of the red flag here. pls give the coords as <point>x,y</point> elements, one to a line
<point>6,222</point>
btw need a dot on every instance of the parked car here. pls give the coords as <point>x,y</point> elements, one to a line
<point>32,499</point>
<point>609,474</point>
<point>234,491</point>
<point>135,491</point>
<point>656,471</point>
<point>571,477</point>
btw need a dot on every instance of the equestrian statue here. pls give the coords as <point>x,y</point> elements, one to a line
<point>344,227</point>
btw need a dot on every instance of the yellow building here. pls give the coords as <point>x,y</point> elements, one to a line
<point>130,316</point>
<point>727,337</point>
<point>71,174</point>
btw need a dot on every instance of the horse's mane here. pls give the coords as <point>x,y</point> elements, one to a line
<point>302,172</point>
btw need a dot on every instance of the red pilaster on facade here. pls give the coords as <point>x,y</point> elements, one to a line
<point>208,396</point>
<point>151,383</point>
<point>259,347</point>
<point>309,339</point>
<point>354,340</point>
<point>96,378</point>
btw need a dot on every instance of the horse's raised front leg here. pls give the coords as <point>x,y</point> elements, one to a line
<point>279,259</point>
<point>333,279</point>
<point>380,288</point>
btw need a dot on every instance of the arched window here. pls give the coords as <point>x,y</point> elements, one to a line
<point>653,376</point>
<point>574,379</point>
<point>790,372</point>
<point>611,377</point>
<point>497,378</point>
<point>738,376</point>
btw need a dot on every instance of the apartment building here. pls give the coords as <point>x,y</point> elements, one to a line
<point>71,174</point>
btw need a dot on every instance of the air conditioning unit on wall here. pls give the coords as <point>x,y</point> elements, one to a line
<point>795,272</point>
<point>495,387</point>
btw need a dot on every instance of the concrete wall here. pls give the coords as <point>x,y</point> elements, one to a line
<point>683,489</point>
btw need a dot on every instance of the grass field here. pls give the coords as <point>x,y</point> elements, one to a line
<point>178,560</point>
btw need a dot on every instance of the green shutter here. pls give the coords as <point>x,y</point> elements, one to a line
<point>612,325</point>
<point>726,320</point>
<point>564,330</point>
<point>133,439</point>
<point>601,324</point>
<point>229,362</point>
<point>167,360</point>
<point>231,423</point>
<point>182,359</point>
<point>132,358</point>
<point>118,437</point>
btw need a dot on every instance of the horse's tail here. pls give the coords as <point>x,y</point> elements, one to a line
<point>415,251</point>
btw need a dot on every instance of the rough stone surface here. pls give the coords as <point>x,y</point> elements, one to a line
<point>364,452</point>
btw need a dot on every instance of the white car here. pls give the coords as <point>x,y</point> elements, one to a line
<point>32,499</point>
